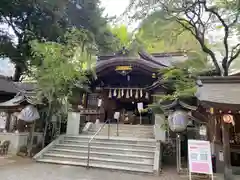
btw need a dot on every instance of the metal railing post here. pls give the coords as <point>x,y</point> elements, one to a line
<point>92,138</point>
<point>108,128</point>
<point>117,128</point>
<point>88,159</point>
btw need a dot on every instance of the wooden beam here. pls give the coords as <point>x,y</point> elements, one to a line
<point>226,151</point>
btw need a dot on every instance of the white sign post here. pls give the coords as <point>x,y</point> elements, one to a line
<point>140,108</point>
<point>199,157</point>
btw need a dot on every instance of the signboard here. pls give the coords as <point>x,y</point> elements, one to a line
<point>99,102</point>
<point>3,120</point>
<point>123,68</point>
<point>140,106</point>
<point>199,157</point>
<point>117,115</point>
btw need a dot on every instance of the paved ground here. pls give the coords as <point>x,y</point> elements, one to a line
<point>25,169</point>
<point>29,170</point>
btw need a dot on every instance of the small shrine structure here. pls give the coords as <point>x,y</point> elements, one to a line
<point>13,98</point>
<point>219,96</point>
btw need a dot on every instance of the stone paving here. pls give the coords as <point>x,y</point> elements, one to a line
<point>16,168</point>
<point>37,171</point>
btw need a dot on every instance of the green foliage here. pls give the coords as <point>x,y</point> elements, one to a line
<point>62,66</point>
<point>29,20</point>
<point>159,34</point>
<point>48,20</point>
<point>199,18</point>
<point>180,82</point>
<point>123,37</point>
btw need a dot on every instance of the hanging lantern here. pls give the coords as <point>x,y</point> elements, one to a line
<point>110,93</point>
<point>127,95</point>
<point>203,130</point>
<point>131,93</point>
<point>29,114</point>
<point>211,110</point>
<point>136,95</point>
<point>115,93</point>
<point>178,121</point>
<point>147,95</point>
<point>122,92</point>
<point>141,93</point>
<point>119,94</point>
<point>228,118</point>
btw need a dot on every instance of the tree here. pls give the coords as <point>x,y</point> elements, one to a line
<point>61,69</point>
<point>47,20</point>
<point>200,17</point>
<point>124,40</point>
<point>29,20</point>
<point>162,35</point>
<point>89,16</point>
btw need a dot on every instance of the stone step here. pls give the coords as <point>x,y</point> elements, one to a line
<point>105,149</point>
<point>110,144</point>
<point>104,161</point>
<point>65,162</point>
<point>123,140</point>
<point>124,156</point>
<point>138,135</point>
<point>123,131</point>
<point>122,127</point>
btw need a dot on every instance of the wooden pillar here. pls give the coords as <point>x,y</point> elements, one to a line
<point>226,151</point>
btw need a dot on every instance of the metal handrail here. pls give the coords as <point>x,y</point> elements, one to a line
<point>92,138</point>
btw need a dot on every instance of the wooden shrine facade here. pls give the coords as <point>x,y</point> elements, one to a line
<point>220,98</point>
<point>122,82</point>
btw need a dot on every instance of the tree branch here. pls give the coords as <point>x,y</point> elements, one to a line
<point>226,34</point>
<point>200,40</point>
<point>10,23</point>
<point>235,49</point>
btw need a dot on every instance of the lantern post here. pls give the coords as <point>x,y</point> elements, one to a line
<point>178,121</point>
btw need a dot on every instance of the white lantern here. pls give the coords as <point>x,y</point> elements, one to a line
<point>178,121</point>
<point>29,114</point>
<point>203,130</point>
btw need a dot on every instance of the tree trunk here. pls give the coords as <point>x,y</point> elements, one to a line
<point>226,152</point>
<point>46,125</point>
<point>18,73</point>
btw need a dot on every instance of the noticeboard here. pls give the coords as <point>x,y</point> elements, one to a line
<point>199,157</point>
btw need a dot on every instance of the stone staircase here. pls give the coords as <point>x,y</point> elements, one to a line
<point>120,153</point>
<point>124,130</point>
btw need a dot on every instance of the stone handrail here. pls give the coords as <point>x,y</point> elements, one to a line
<point>56,141</point>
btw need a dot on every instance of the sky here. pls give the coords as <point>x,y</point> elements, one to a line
<point>114,7</point>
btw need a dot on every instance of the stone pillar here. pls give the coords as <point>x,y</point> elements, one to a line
<point>159,128</point>
<point>160,136</point>
<point>73,123</point>
<point>157,167</point>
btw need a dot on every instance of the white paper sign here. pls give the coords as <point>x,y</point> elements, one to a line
<point>140,106</point>
<point>199,157</point>
<point>117,115</point>
<point>3,120</point>
<point>221,156</point>
<point>99,102</point>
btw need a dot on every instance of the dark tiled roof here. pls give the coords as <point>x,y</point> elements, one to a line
<point>7,85</point>
<point>27,86</point>
<point>159,59</point>
<point>219,90</point>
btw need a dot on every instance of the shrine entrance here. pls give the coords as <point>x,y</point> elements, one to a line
<point>126,111</point>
